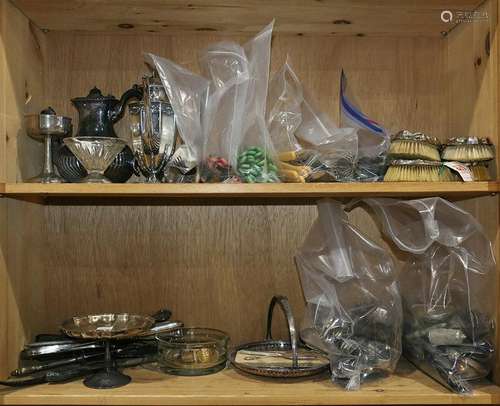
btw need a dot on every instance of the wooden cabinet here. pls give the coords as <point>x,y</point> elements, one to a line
<point>215,254</point>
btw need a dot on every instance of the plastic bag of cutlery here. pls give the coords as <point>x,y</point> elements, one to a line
<point>188,94</point>
<point>284,116</point>
<point>336,149</point>
<point>373,139</point>
<point>448,286</point>
<point>353,309</point>
<point>309,146</point>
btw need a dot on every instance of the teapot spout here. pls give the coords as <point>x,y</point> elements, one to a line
<point>135,92</point>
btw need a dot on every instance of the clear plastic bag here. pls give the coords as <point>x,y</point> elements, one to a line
<point>284,114</point>
<point>336,148</point>
<point>188,95</point>
<point>373,140</point>
<point>309,146</point>
<point>448,286</point>
<point>256,155</point>
<point>226,65</point>
<point>353,309</point>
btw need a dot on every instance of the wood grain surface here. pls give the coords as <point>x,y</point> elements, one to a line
<point>400,82</point>
<point>406,386</point>
<point>474,108</point>
<point>214,266</point>
<point>21,88</point>
<point>244,192</point>
<point>327,17</point>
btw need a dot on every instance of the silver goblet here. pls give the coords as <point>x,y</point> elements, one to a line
<point>43,127</point>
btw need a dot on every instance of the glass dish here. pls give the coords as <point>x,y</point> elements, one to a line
<point>95,154</point>
<point>192,351</point>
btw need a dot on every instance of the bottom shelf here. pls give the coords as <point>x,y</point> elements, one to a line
<point>406,386</point>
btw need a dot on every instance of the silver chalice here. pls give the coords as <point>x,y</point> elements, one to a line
<point>43,127</point>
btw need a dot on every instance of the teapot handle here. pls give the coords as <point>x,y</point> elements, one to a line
<point>135,92</point>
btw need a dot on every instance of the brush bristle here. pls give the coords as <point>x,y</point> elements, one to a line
<point>480,173</point>
<point>418,173</point>
<point>408,149</point>
<point>468,153</point>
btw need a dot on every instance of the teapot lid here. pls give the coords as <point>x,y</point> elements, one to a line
<point>49,111</point>
<point>95,94</point>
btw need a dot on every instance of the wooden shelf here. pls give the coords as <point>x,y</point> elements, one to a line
<point>243,192</point>
<point>301,17</point>
<point>407,386</point>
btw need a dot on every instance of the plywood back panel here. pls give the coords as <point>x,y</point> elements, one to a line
<point>399,81</point>
<point>215,266</point>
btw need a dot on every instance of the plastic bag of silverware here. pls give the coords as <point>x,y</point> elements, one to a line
<point>447,285</point>
<point>308,144</point>
<point>373,139</point>
<point>354,311</point>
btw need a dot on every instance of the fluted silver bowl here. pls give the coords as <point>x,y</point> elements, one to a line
<point>107,326</point>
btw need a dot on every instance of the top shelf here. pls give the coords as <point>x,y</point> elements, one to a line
<point>325,17</point>
<point>241,193</point>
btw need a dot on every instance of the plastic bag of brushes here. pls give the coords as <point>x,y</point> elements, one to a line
<point>188,95</point>
<point>227,67</point>
<point>447,288</point>
<point>373,139</point>
<point>309,146</point>
<point>256,160</point>
<point>353,309</point>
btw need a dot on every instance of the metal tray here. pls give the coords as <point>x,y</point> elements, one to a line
<point>270,345</point>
